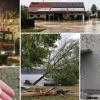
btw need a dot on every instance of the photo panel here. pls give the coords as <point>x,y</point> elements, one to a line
<point>75,16</point>
<point>9,33</point>
<point>50,66</point>
<point>90,66</point>
<point>9,83</point>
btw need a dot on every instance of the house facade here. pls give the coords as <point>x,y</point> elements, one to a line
<point>90,64</point>
<point>98,13</point>
<point>56,10</point>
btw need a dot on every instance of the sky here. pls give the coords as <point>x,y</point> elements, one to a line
<point>87,3</point>
<point>66,37</point>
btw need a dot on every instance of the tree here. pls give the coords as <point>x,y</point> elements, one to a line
<point>36,47</point>
<point>17,46</point>
<point>63,60</point>
<point>9,7</point>
<point>23,12</point>
<point>68,72</point>
<point>41,50</point>
<point>93,8</point>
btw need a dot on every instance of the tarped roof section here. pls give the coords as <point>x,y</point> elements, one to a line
<point>56,9</point>
<point>44,9</point>
<point>86,51</point>
<point>75,9</point>
<point>59,9</point>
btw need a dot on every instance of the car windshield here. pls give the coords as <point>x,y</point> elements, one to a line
<point>8,37</point>
<point>8,48</point>
<point>1,36</point>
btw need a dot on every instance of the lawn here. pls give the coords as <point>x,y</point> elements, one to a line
<point>33,30</point>
<point>10,75</point>
<point>51,98</point>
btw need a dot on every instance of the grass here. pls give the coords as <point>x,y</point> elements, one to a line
<point>10,75</point>
<point>33,30</point>
<point>51,98</point>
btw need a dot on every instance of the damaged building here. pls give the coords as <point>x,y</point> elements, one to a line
<point>56,10</point>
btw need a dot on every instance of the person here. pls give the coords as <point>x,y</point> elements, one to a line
<point>6,92</point>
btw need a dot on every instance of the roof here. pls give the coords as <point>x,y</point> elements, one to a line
<point>56,6</point>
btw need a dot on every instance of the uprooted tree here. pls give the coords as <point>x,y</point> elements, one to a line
<point>40,50</point>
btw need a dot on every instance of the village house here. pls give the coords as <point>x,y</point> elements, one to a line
<point>90,66</point>
<point>98,13</point>
<point>56,10</point>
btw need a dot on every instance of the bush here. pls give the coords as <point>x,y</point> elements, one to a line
<point>27,23</point>
<point>27,82</point>
<point>17,46</point>
<point>66,76</point>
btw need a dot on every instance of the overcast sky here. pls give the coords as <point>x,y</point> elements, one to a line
<point>88,3</point>
<point>66,37</point>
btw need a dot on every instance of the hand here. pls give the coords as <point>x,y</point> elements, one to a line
<point>6,92</point>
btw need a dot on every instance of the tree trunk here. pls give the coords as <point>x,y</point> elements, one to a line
<point>40,79</point>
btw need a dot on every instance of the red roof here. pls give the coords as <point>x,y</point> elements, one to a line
<point>37,5</point>
<point>40,5</point>
<point>57,4</point>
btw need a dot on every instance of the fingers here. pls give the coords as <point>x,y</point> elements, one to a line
<point>4,96</point>
<point>6,89</point>
<point>1,99</point>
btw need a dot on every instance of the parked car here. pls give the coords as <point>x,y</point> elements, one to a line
<point>48,81</point>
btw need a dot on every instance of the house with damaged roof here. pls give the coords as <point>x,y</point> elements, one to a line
<point>90,66</point>
<point>56,10</point>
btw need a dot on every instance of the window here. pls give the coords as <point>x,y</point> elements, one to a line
<point>8,36</point>
<point>1,36</point>
<point>38,15</point>
<point>31,16</point>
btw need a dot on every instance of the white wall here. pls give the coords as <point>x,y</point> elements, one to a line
<point>90,64</point>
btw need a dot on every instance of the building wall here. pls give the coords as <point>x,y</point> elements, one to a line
<point>90,63</point>
<point>37,16</point>
<point>66,16</point>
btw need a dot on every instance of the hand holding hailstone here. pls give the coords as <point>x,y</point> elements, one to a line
<point>6,92</point>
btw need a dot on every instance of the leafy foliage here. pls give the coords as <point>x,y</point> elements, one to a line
<point>36,47</point>
<point>66,71</point>
<point>9,9</point>
<point>62,62</point>
<point>23,12</point>
<point>94,8</point>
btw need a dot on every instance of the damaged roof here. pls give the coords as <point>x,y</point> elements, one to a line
<point>56,6</point>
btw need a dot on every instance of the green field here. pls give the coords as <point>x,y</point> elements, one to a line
<point>33,30</point>
<point>51,98</point>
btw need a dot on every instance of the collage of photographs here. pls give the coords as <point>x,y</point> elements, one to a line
<point>49,50</point>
